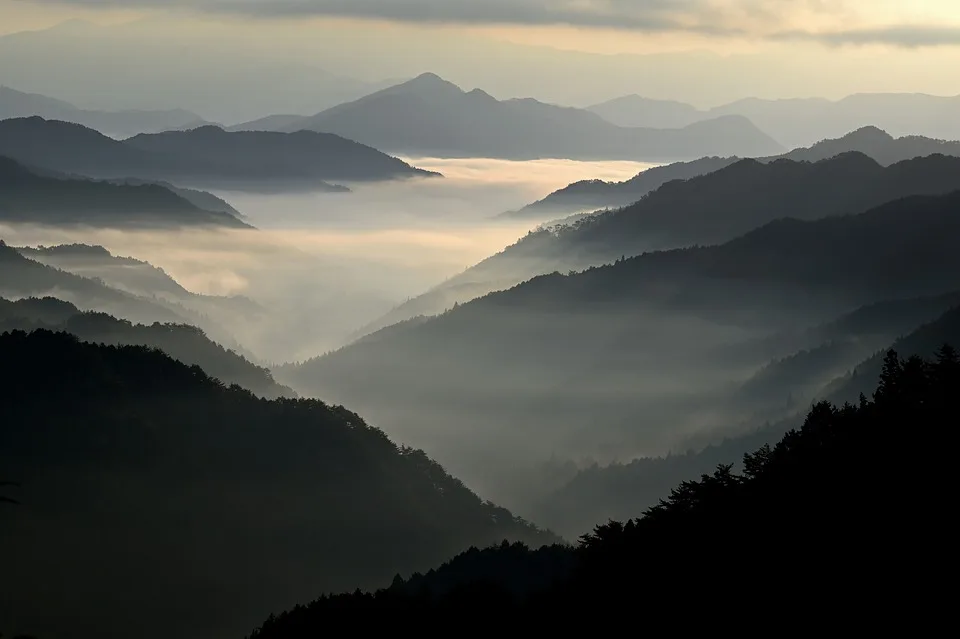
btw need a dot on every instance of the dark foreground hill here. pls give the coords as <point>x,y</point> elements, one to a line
<point>182,342</point>
<point>794,534</point>
<point>28,196</point>
<point>157,502</point>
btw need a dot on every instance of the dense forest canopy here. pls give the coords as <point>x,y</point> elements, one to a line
<point>200,507</point>
<point>807,522</point>
<point>183,342</point>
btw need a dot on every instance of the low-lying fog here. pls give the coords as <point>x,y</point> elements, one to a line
<point>325,264</point>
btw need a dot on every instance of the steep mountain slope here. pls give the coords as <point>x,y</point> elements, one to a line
<point>604,360</point>
<point>590,195</point>
<point>22,277</point>
<point>17,104</point>
<point>431,116</point>
<point>207,156</point>
<point>182,342</point>
<point>618,491</point>
<point>196,509</point>
<point>705,209</point>
<point>810,509</point>
<point>145,281</point>
<point>28,196</point>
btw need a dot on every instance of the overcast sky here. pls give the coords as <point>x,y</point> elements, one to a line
<point>568,51</point>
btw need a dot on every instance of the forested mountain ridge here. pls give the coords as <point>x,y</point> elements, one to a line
<point>182,342</point>
<point>201,498</point>
<point>592,195</point>
<point>207,157</point>
<point>599,493</point>
<point>792,515</point>
<point>30,197</point>
<point>23,277</point>
<point>560,351</point>
<point>707,209</point>
<point>94,280</point>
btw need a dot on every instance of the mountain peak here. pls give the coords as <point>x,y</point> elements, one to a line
<point>430,82</point>
<point>869,133</point>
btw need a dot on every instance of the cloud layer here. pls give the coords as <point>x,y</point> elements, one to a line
<point>830,22</point>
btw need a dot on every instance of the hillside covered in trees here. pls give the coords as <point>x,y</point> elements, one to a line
<point>158,502</point>
<point>811,522</point>
<point>182,342</point>
<point>622,360</point>
<point>709,209</point>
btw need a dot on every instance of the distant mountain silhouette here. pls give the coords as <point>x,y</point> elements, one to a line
<point>279,122</point>
<point>145,281</point>
<point>591,195</point>
<point>28,196</point>
<point>17,104</point>
<point>559,352</point>
<point>182,342</point>
<point>431,116</point>
<point>200,199</point>
<point>878,144</point>
<point>705,209</point>
<point>181,494</point>
<point>204,156</point>
<point>637,111</point>
<point>801,122</point>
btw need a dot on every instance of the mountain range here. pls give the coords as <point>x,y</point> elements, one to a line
<point>801,122</point>
<point>119,124</point>
<point>705,209</point>
<point>38,197</point>
<point>591,195</point>
<point>430,116</point>
<point>182,342</point>
<point>569,354</point>
<point>206,157</point>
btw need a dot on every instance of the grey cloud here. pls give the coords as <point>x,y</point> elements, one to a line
<point>907,36</point>
<point>706,17</point>
<point>638,15</point>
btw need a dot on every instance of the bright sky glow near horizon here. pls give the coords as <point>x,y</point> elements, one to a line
<point>519,48</point>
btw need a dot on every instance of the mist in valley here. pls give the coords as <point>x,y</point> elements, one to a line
<point>322,265</point>
<point>323,314</point>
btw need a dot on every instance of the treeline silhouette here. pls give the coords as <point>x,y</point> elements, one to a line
<point>614,491</point>
<point>194,508</point>
<point>835,521</point>
<point>597,194</point>
<point>182,342</point>
<point>716,208</point>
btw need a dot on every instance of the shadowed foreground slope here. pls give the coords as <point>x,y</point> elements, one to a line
<point>840,519</point>
<point>159,503</point>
